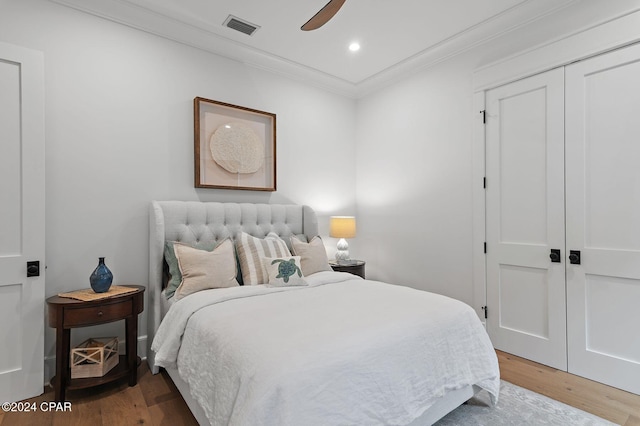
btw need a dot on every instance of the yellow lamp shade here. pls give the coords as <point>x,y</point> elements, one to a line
<point>342,227</point>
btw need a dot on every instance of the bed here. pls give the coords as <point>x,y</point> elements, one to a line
<point>339,350</point>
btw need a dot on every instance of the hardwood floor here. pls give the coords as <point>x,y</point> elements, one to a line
<point>153,401</point>
<point>156,401</point>
<point>613,404</point>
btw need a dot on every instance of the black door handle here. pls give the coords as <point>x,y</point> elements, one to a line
<point>555,256</point>
<point>574,257</point>
<point>33,268</point>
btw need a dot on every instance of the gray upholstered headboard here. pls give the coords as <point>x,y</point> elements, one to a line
<point>199,222</point>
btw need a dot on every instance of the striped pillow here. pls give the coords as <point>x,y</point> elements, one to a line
<point>251,249</point>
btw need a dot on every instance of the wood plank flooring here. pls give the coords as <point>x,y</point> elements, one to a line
<point>156,401</point>
<point>153,401</point>
<point>613,404</point>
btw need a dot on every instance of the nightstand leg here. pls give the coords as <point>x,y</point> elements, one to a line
<point>131,325</point>
<point>63,347</point>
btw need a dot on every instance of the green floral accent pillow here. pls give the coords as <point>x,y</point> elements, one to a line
<point>284,271</point>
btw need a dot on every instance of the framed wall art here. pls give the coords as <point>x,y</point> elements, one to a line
<point>235,147</point>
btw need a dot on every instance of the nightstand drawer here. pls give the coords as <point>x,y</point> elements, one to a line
<point>98,314</point>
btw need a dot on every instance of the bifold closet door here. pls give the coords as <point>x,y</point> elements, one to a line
<point>525,218</point>
<point>603,217</point>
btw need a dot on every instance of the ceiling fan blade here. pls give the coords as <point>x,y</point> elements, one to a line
<point>323,16</point>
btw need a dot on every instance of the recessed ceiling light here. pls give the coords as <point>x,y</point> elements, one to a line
<point>354,47</point>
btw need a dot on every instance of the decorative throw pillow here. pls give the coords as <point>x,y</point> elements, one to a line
<point>284,271</point>
<point>313,256</point>
<point>203,269</point>
<point>175,277</point>
<point>251,250</point>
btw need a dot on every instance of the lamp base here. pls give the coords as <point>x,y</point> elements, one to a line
<point>342,255</point>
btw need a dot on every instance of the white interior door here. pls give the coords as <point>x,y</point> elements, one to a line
<point>603,217</point>
<point>525,218</point>
<point>22,222</point>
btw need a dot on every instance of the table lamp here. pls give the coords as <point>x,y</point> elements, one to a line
<point>342,227</point>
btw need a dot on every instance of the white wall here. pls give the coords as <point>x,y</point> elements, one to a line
<point>119,134</point>
<point>414,174</point>
<point>414,161</point>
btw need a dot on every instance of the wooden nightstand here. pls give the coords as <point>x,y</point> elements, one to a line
<point>356,267</point>
<point>65,314</point>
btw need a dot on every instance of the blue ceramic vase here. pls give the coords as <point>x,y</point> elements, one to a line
<point>101,277</point>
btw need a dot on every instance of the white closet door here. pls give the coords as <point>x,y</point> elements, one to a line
<point>603,217</point>
<point>525,218</point>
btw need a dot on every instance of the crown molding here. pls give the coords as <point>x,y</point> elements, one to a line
<point>144,16</point>
<point>158,23</point>
<point>593,40</point>
<point>484,32</point>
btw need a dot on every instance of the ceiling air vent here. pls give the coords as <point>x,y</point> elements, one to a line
<point>241,25</point>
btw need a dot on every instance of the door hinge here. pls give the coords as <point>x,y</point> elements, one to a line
<point>485,309</point>
<point>484,116</point>
<point>485,247</point>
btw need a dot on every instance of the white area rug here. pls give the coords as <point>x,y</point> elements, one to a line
<point>518,406</point>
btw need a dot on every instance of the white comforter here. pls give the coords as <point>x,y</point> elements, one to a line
<point>343,351</point>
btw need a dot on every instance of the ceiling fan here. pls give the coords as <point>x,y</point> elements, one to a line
<point>323,16</point>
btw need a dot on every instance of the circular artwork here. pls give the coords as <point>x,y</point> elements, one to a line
<point>237,148</point>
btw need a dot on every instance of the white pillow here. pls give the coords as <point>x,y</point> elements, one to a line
<point>284,271</point>
<point>313,256</point>
<point>202,269</point>
<point>251,250</point>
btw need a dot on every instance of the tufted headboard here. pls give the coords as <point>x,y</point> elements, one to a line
<point>199,222</point>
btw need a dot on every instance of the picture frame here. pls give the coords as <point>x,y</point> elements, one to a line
<point>234,146</point>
